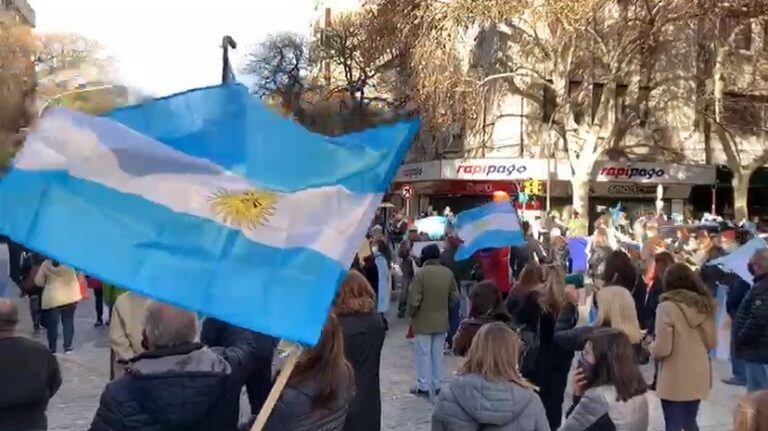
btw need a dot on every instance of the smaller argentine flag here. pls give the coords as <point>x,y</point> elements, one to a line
<point>493,225</point>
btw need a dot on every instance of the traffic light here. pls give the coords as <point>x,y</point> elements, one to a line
<point>532,187</point>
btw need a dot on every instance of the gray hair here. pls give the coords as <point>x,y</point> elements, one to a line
<point>166,325</point>
<point>9,315</point>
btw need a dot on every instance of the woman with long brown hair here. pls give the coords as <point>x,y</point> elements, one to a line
<point>489,392</point>
<point>363,331</point>
<point>647,302</point>
<point>530,278</point>
<point>608,386</point>
<point>685,333</point>
<point>752,413</point>
<point>485,307</point>
<point>320,388</point>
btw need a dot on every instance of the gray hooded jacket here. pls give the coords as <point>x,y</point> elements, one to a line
<point>472,403</point>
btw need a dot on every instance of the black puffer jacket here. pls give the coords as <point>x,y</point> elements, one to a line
<point>295,412</point>
<point>187,387</point>
<point>752,324</point>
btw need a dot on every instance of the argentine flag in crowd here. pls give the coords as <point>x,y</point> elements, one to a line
<point>205,199</point>
<point>493,225</point>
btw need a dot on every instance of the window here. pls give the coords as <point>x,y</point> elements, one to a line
<point>621,100</point>
<point>743,112</point>
<point>738,31</point>
<point>643,97</point>
<point>574,92</point>
<point>597,97</point>
<point>548,103</point>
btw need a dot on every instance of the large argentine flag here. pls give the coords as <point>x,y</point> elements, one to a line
<point>492,225</point>
<point>205,199</point>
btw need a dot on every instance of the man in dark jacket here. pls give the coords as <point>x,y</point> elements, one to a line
<point>407,267</point>
<point>751,326</point>
<point>216,333</point>
<point>29,376</point>
<point>737,291</point>
<point>521,255</point>
<point>177,383</point>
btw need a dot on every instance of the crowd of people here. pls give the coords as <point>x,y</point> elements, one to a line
<point>537,334</point>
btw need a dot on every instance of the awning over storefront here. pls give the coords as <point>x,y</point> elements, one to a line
<point>541,169</point>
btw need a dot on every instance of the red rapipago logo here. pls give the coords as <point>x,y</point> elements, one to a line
<point>631,172</point>
<point>502,170</point>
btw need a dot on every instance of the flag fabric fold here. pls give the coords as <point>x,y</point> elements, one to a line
<point>205,199</point>
<point>493,225</point>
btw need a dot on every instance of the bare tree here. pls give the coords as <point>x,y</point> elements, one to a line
<point>733,87</point>
<point>590,65</point>
<point>280,66</point>
<point>17,86</point>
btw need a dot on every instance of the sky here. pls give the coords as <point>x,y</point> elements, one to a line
<point>167,46</point>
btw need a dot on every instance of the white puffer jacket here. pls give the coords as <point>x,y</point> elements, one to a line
<point>59,283</point>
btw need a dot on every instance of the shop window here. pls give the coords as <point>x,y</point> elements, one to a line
<point>738,32</point>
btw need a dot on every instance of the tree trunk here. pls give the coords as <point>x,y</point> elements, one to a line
<point>580,186</point>
<point>740,184</point>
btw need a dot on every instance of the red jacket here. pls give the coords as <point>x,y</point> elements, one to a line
<point>496,267</point>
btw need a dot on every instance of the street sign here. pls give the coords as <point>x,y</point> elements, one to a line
<point>407,192</point>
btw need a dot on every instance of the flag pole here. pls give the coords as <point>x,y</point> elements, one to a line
<point>277,389</point>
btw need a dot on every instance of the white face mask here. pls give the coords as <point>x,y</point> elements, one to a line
<point>375,249</point>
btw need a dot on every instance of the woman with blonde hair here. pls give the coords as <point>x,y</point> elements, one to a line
<point>363,331</point>
<point>615,309</point>
<point>752,413</point>
<point>489,392</point>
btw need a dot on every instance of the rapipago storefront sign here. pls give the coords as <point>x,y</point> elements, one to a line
<point>638,190</point>
<point>541,169</point>
<point>483,170</point>
<point>654,173</point>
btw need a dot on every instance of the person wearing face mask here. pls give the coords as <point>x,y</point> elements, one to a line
<point>751,325</point>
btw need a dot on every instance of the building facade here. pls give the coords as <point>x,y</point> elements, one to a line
<point>19,10</point>
<point>676,145</point>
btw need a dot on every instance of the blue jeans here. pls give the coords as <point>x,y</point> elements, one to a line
<point>428,350</point>
<point>680,415</point>
<point>738,369</point>
<point>51,317</point>
<point>757,376</point>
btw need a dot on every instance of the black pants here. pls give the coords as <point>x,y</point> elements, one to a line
<point>65,313</point>
<point>34,310</point>
<point>259,384</point>
<point>98,294</point>
<point>681,415</point>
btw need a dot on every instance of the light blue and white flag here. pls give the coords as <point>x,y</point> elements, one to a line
<point>492,225</point>
<point>207,200</point>
<point>736,261</point>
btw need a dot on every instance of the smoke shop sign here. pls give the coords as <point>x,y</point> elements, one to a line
<point>654,173</point>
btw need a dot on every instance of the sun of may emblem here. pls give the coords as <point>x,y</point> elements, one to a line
<point>244,209</point>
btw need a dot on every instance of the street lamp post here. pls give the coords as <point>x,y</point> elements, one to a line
<point>226,67</point>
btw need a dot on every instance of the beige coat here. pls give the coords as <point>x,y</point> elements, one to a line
<point>125,330</point>
<point>59,283</point>
<point>432,289</point>
<point>685,332</point>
